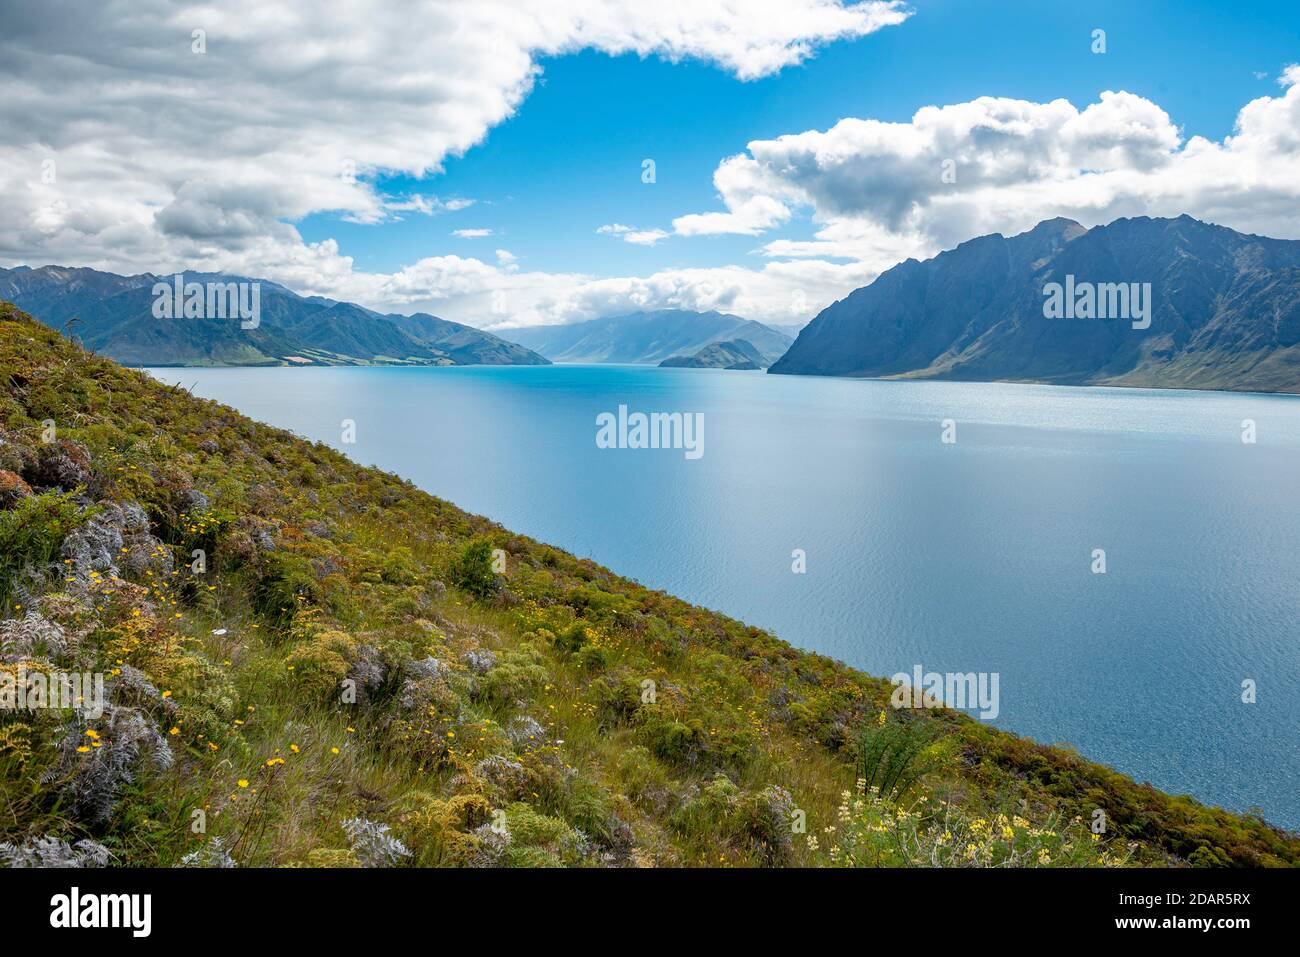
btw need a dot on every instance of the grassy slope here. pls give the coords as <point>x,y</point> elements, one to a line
<point>320,569</point>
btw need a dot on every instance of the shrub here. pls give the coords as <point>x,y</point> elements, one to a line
<point>320,663</point>
<point>286,582</point>
<point>681,742</point>
<point>572,639</point>
<point>49,851</point>
<point>32,532</point>
<point>893,755</point>
<point>372,845</point>
<point>537,840</point>
<point>472,571</point>
<point>517,675</point>
<point>438,831</point>
<point>873,832</point>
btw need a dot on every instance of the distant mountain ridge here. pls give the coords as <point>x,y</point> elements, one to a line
<point>114,315</point>
<point>738,354</point>
<point>1225,312</point>
<point>647,337</point>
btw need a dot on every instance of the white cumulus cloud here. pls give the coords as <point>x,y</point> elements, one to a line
<point>193,134</point>
<point>889,190</point>
<point>638,237</point>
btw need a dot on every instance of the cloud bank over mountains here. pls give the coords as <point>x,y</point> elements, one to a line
<point>149,135</point>
<point>1002,165</point>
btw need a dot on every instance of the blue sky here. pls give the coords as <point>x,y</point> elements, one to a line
<point>570,159</point>
<point>797,143</point>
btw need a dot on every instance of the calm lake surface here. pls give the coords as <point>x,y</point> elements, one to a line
<point>968,557</point>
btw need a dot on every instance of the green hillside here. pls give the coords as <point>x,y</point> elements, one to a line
<point>114,316</point>
<point>551,713</point>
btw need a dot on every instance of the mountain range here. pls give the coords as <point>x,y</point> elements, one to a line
<point>647,337</point>
<point>1220,310</point>
<point>1224,311</point>
<point>114,315</point>
<point>732,354</point>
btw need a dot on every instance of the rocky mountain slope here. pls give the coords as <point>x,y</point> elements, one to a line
<point>646,337</point>
<point>1224,311</point>
<point>114,315</point>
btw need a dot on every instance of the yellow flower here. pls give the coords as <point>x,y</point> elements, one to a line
<point>334,750</point>
<point>83,750</point>
<point>174,731</point>
<point>293,748</point>
<point>242,782</point>
<point>880,720</point>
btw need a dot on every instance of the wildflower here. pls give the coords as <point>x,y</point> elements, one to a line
<point>174,731</point>
<point>242,782</point>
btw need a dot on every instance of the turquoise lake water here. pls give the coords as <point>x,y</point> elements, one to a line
<point>974,556</point>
